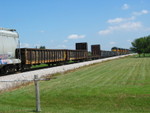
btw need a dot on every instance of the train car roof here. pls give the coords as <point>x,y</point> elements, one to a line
<point>51,49</point>
<point>8,33</point>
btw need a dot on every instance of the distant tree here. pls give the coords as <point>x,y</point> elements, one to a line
<point>42,47</point>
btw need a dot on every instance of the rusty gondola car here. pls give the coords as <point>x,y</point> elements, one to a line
<point>76,55</point>
<point>32,56</point>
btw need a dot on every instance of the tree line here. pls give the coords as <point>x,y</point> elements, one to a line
<point>141,45</point>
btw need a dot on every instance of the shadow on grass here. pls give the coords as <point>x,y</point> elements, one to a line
<point>20,111</point>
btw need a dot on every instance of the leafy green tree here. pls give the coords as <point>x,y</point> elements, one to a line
<point>141,45</point>
<point>136,46</point>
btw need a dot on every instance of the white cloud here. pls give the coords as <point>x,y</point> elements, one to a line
<point>76,36</point>
<point>125,6</point>
<point>112,43</point>
<point>116,20</point>
<point>128,26</point>
<point>141,12</point>
<point>119,20</point>
<point>124,24</point>
<point>105,32</point>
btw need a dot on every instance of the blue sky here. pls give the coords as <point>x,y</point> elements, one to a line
<point>59,24</point>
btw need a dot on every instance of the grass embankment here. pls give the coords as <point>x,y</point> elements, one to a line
<point>118,86</point>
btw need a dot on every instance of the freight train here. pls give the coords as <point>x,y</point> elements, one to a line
<point>13,58</point>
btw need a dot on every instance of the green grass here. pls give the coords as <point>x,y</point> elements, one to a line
<point>117,86</point>
<point>144,55</point>
<point>39,66</point>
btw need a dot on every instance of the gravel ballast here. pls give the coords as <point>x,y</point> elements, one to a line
<point>20,77</point>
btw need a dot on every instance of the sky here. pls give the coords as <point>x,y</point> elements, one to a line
<point>59,24</point>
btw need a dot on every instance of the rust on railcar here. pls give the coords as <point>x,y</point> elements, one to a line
<point>37,56</point>
<point>82,46</point>
<point>96,51</point>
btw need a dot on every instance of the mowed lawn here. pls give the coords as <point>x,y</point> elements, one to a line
<point>117,86</point>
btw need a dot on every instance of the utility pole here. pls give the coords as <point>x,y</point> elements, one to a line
<point>37,93</point>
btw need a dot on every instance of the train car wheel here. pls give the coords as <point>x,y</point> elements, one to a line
<point>5,69</point>
<point>9,69</point>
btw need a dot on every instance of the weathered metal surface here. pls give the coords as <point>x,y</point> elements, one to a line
<point>38,56</point>
<point>95,49</point>
<point>82,46</point>
<point>77,54</point>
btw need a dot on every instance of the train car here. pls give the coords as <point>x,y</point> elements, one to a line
<point>127,51</point>
<point>116,49</point>
<point>32,56</point>
<point>13,58</point>
<point>77,55</point>
<point>120,51</point>
<point>95,51</point>
<point>82,46</point>
<point>9,41</point>
<point>105,54</point>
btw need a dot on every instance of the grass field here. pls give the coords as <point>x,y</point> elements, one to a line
<point>117,86</point>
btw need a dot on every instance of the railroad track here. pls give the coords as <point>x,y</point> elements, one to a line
<point>28,75</point>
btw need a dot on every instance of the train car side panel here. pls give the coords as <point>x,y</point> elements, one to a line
<point>38,56</point>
